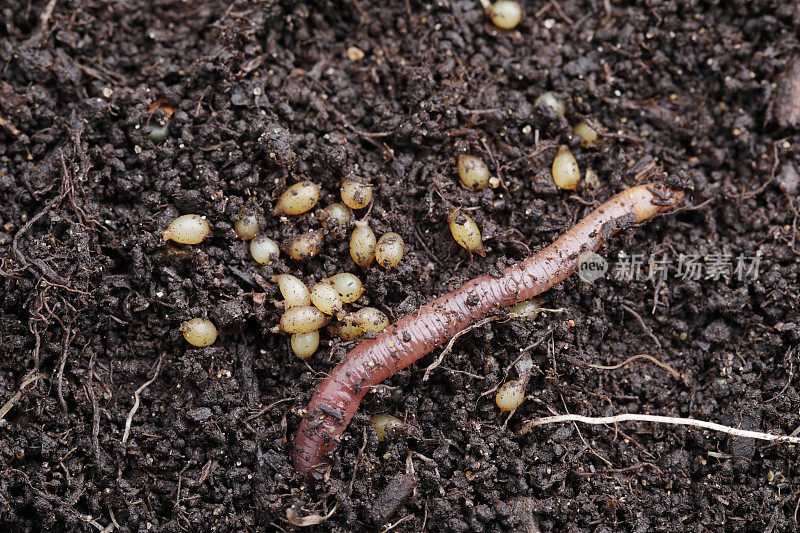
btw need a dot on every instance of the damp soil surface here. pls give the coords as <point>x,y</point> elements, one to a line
<point>119,116</point>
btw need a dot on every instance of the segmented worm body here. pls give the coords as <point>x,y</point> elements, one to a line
<point>419,332</point>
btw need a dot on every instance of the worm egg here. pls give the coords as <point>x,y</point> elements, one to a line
<point>188,229</point>
<point>264,250</point>
<point>302,319</point>
<point>305,344</point>
<point>297,199</point>
<point>473,172</point>
<point>199,332</point>
<point>566,173</point>
<point>355,53</point>
<point>305,246</point>
<point>371,319</point>
<point>510,395</point>
<point>549,99</point>
<point>294,291</point>
<point>356,195</point>
<point>362,244</point>
<point>491,366</point>
<point>349,328</point>
<point>387,425</point>
<point>587,133</point>
<point>326,298</point>
<point>526,309</point>
<point>505,14</point>
<point>246,226</point>
<point>592,179</point>
<point>466,232</point>
<point>335,216</point>
<point>159,131</point>
<point>348,286</point>
<point>389,250</point>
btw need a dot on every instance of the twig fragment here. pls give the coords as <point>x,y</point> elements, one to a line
<point>17,395</point>
<point>61,364</point>
<point>561,13</point>
<point>639,319</point>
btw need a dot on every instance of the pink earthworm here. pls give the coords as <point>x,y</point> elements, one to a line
<point>422,330</point>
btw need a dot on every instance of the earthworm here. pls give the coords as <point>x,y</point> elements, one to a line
<point>422,330</point>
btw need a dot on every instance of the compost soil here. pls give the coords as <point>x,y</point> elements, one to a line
<point>256,96</point>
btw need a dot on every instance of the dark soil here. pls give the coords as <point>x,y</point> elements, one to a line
<point>263,94</point>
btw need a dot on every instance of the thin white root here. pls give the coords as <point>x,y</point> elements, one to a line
<point>632,417</point>
<point>674,373</point>
<point>44,19</point>
<point>453,339</point>
<point>392,526</point>
<point>136,394</point>
<point>492,318</point>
